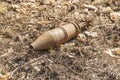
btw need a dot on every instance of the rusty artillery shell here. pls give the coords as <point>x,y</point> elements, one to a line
<point>56,36</point>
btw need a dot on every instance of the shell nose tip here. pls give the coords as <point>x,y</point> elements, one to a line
<point>31,46</point>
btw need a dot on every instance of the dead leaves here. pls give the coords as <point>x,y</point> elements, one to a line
<point>115,52</point>
<point>115,15</point>
<point>5,74</point>
<point>43,22</point>
<point>28,8</point>
<point>82,37</point>
<point>3,8</point>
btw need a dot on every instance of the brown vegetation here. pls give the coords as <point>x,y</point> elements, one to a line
<point>92,55</point>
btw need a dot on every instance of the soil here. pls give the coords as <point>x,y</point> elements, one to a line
<point>22,21</point>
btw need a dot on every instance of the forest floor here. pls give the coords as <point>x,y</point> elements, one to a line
<point>94,54</point>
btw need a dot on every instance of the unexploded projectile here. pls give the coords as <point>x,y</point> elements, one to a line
<point>56,36</point>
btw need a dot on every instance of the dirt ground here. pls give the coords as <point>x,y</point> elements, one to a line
<point>94,54</point>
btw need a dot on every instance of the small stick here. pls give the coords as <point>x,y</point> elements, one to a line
<point>30,62</point>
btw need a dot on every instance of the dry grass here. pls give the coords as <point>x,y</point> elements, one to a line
<point>21,22</point>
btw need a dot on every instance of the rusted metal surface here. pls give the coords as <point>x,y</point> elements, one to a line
<point>56,36</point>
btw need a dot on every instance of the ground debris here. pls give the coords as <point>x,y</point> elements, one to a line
<point>81,37</point>
<point>108,52</point>
<point>92,55</point>
<point>3,8</point>
<point>91,34</point>
<point>90,7</point>
<point>115,15</point>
